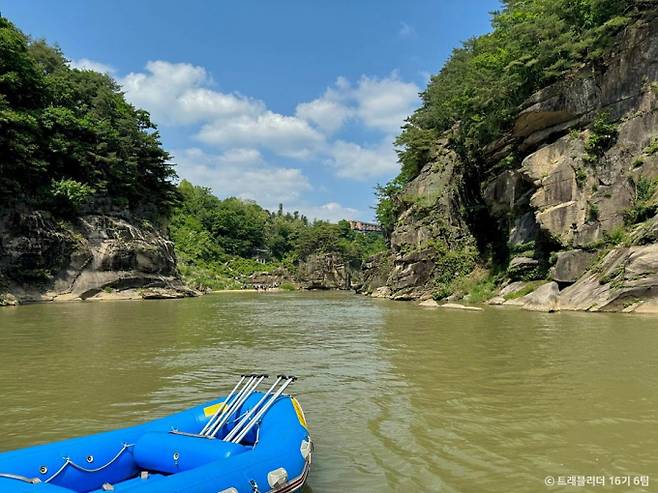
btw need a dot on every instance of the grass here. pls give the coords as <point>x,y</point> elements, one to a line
<point>525,290</point>
<point>288,286</point>
<point>645,205</point>
<point>652,148</point>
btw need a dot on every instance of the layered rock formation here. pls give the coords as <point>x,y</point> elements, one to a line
<point>430,223</point>
<point>579,210</point>
<point>91,257</point>
<point>326,271</point>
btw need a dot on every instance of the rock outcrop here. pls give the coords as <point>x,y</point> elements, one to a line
<point>326,271</point>
<point>578,208</point>
<point>431,221</point>
<point>92,257</point>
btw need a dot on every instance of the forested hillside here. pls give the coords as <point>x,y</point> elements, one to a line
<point>220,243</point>
<point>533,44</point>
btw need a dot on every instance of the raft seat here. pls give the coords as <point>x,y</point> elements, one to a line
<point>131,483</point>
<point>170,453</point>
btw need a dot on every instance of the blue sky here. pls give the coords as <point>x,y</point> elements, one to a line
<point>292,101</point>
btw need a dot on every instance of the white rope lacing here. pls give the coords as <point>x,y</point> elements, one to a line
<point>69,462</point>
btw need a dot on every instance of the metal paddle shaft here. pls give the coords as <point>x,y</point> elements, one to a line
<point>228,404</point>
<point>245,418</point>
<point>236,405</point>
<point>220,408</point>
<point>264,409</point>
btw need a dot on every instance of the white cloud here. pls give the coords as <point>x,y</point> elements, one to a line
<point>384,104</point>
<point>285,135</point>
<point>406,31</point>
<point>380,104</point>
<point>357,162</point>
<point>185,94</point>
<point>242,173</point>
<point>331,211</point>
<point>328,112</point>
<point>87,64</point>
<point>175,94</point>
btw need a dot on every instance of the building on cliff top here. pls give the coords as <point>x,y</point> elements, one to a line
<point>364,227</point>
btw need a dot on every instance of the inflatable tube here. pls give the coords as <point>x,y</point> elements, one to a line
<point>167,455</point>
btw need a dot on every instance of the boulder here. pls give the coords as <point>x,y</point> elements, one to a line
<point>546,298</point>
<point>512,287</point>
<point>521,268</point>
<point>325,271</point>
<point>429,304</point>
<point>382,292</point>
<point>626,278</point>
<point>457,306</point>
<point>571,265</point>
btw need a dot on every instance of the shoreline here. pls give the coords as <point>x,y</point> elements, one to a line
<point>136,295</point>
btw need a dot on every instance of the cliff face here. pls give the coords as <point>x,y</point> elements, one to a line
<point>431,223</point>
<point>579,211</point>
<point>91,257</point>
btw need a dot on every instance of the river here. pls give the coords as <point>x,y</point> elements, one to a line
<point>398,398</point>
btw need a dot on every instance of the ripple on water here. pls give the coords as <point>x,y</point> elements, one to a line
<point>398,398</point>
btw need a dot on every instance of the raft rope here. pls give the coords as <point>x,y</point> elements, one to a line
<point>18,477</point>
<point>69,462</point>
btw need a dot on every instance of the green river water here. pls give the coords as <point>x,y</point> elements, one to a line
<point>398,398</point>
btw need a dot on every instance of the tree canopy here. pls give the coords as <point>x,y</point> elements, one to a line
<point>218,240</point>
<point>68,137</point>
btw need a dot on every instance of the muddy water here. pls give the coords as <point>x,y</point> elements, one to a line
<point>398,398</point>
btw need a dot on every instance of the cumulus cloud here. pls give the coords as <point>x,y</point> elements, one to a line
<point>330,111</point>
<point>181,93</point>
<point>384,104</point>
<point>177,94</point>
<point>378,103</point>
<point>242,173</point>
<point>241,128</point>
<point>354,161</point>
<point>285,135</point>
<point>331,211</point>
<point>87,64</point>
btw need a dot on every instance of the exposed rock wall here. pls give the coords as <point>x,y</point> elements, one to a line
<point>326,271</point>
<point>564,210</point>
<point>431,220</point>
<point>94,256</point>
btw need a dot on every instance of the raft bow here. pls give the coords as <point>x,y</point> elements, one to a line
<point>247,442</point>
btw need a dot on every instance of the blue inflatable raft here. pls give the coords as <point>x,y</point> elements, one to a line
<point>247,442</point>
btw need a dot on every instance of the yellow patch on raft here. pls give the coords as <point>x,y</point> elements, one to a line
<point>300,412</point>
<point>211,410</point>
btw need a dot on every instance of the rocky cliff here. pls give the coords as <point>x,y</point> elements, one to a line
<point>91,257</point>
<point>571,196</point>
